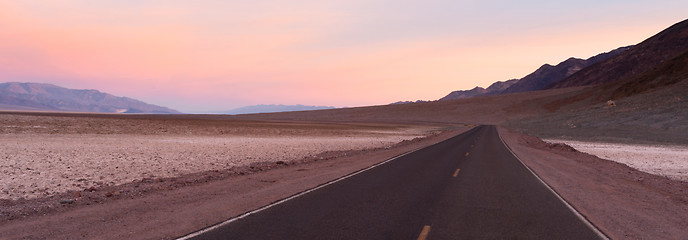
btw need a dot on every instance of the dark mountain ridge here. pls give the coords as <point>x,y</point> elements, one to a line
<point>548,74</point>
<point>538,80</point>
<point>657,49</point>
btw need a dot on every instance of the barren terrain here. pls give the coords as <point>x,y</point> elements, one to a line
<point>222,181</point>
<point>43,156</point>
<point>168,207</point>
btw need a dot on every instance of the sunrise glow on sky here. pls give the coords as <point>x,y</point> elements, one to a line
<point>214,55</point>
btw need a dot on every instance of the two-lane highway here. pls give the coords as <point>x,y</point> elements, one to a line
<point>467,187</point>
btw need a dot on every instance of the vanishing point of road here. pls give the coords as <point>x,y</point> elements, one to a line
<point>467,187</point>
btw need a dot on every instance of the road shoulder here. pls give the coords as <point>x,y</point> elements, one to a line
<point>621,201</point>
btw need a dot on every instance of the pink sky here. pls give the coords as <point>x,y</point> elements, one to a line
<point>204,56</point>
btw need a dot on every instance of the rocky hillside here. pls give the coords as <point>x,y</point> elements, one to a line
<point>548,74</point>
<point>47,97</point>
<point>662,78</point>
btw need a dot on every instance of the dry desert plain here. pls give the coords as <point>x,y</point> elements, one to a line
<point>43,156</point>
<point>164,176</point>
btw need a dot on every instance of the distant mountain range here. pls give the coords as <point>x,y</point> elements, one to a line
<point>48,97</point>
<point>495,88</point>
<point>405,102</point>
<point>620,64</point>
<point>538,80</point>
<point>274,108</point>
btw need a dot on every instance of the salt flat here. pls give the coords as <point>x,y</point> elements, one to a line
<point>42,156</point>
<point>665,160</point>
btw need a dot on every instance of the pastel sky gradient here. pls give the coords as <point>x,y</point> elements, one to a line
<point>212,55</point>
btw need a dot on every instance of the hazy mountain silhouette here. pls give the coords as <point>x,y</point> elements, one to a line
<point>48,97</point>
<point>274,108</point>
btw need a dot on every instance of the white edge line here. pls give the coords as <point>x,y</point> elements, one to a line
<point>573,209</point>
<point>211,228</point>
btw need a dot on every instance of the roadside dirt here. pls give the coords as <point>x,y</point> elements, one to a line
<point>166,208</point>
<point>623,202</point>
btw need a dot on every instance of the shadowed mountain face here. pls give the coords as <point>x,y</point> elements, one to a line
<point>548,74</point>
<point>665,77</point>
<point>660,48</point>
<point>666,74</point>
<point>39,96</point>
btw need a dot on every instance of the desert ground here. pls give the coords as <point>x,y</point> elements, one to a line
<point>163,176</point>
<point>47,156</point>
<point>117,171</point>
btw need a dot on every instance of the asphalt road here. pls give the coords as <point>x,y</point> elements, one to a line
<point>467,187</point>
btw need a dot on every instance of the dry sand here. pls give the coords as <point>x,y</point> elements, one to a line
<point>93,152</point>
<point>664,160</point>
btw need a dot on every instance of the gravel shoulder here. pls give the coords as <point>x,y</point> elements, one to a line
<point>623,202</point>
<point>165,208</point>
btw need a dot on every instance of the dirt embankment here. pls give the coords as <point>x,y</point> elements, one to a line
<point>623,202</point>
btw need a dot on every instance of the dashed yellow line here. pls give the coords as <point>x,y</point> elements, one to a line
<point>424,233</point>
<point>457,172</point>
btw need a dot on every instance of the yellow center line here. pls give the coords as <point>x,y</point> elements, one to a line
<point>457,172</point>
<point>424,233</point>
